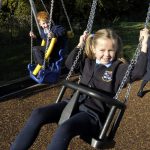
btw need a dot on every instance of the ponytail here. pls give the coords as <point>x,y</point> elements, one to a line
<point>88,47</point>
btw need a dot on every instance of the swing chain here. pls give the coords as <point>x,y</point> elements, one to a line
<point>74,64</point>
<point>31,36</point>
<point>50,14</point>
<point>88,28</point>
<point>130,67</point>
<point>50,22</point>
<point>148,17</point>
<point>127,93</point>
<point>63,5</point>
<point>91,17</point>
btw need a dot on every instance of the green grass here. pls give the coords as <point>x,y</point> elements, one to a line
<point>129,33</point>
<point>14,58</point>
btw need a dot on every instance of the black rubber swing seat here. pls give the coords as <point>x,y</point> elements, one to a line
<point>105,139</point>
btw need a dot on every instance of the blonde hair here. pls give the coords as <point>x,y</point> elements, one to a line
<point>103,34</point>
<point>42,16</point>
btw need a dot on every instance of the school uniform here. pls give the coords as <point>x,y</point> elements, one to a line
<point>103,77</point>
<point>39,51</point>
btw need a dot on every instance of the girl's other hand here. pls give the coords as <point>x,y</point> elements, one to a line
<point>82,39</point>
<point>144,36</point>
<point>50,35</point>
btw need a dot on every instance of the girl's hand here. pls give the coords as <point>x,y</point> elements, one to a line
<point>144,36</point>
<point>50,35</point>
<point>82,39</point>
<point>31,34</point>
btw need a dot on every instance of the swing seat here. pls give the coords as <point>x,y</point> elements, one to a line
<point>105,136</point>
<point>47,75</point>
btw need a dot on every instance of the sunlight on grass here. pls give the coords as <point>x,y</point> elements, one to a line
<point>132,25</point>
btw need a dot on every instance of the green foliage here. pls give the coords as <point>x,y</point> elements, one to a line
<point>4,3</point>
<point>82,3</point>
<point>19,8</point>
<point>12,5</point>
<point>23,10</point>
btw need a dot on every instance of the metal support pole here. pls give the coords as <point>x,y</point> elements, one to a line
<point>107,122</point>
<point>63,89</point>
<point>35,13</point>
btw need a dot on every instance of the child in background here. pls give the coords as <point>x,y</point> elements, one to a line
<point>101,70</point>
<point>56,31</point>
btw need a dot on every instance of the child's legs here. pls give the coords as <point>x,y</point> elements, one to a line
<point>79,124</point>
<point>38,118</point>
<point>38,54</point>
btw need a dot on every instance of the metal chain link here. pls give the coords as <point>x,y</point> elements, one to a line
<point>74,64</point>
<point>148,17</point>
<point>50,14</point>
<point>31,36</point>
<point>66,15</point>
<point>91,16</point>
<point>129,69</point>
<point>88,28</point>
<point>50,23</point>
<point>127,93</point>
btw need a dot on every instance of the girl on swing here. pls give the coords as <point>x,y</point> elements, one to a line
<point>100,69</point>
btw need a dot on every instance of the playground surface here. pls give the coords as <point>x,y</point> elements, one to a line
<point>132,134</point>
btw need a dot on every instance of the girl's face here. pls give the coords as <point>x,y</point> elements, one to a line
<point>104,50</point>
<point>43,24</point>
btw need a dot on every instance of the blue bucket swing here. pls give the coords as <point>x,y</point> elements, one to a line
<point>48,75</point>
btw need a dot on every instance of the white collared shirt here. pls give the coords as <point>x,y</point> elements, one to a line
<point>107,65</point>
<point>46,31</point>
